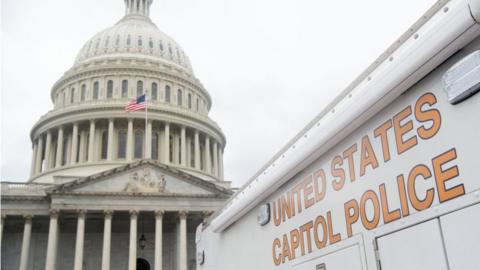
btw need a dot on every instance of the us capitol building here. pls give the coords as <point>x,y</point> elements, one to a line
<point>108,189</point>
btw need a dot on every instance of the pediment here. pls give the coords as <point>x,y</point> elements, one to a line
<point>144,177</point>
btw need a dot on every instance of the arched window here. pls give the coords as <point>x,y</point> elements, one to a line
<point>117,41</point>
<point>107,41</point>
<point>167,94</point>
<point>154,91</point>
<point>72,96</point>
<point>122,144</point>
<point>189,100</point>
<point>179,98</point>
<point>104,145</point>
<point>95,91</point>
<point>154,146</point>
<point>138,144</point>
<point>140,41</point>
<point>139,88</point>
<point>161,45</point>
<point>198,104</point>
<point>150,43</point>
<point>110,89</point>
<point>124,88</point>
<point>64,95</point>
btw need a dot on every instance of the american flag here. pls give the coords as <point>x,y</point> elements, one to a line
<point>136,104</point>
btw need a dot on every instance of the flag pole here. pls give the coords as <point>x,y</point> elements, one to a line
<point>146,117</point>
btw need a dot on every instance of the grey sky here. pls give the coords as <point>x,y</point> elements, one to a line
<point>269,65</point>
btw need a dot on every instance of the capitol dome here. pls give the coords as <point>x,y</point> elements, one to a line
<point>134,36</point>
<point>88,130</point>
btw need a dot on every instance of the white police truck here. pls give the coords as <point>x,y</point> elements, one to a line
<point>386,177</point>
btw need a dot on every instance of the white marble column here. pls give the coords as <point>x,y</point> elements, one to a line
<point>161,142</point>
<point>83,142</point>
<point>73,157</point>
<point>107,239</point>
<point>167,143</point>
<point>189,152</point>
<point>34,159</point>
<point>176,148</point>
<point>48,149</point>
<point>215,158</point>
<point>27,235</point>
<point>38,163</point>
<point>208,161</point>
<point>2,221</point>
<point>132,252</point>
<point>197,150</point>
<point>52,241</point>
<point>148,140</point>
<point>91,142</point>
<point>220,163</point>
<point>183,240</point>
<point>183,146</point>
<point>110,140</point>
<point>59,155</point>
<point>130,140</point>
<point>78,262</point>
<point>158,239</point>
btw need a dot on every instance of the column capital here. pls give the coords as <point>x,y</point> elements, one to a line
<point>28,218</point>
<point>92,121</point>
<point>54,213</point>
<point>133,213</point>
<point>183,214</point>
<point>108,213</point>
<point>159,213</point>
<point>81,213</point>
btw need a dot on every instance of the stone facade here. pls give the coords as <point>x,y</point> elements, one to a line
<point>111,189</point>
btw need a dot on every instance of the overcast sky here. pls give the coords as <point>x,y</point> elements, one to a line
<point>269,65</point>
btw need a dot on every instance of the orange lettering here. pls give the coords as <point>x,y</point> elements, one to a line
<point>348,154</point>
<point>277,259</point>
<point>381,132</point>
<point>319,189</point>
<point>442,176</point>
<point>387,215</point>
<point>337,172</point>
<point>369,224</point>
<point>416,202</point>
<point>320,243</point>
<point>401,130</point>
<point>367,156</point>
<point>350,217</point>
<point>432,115</point>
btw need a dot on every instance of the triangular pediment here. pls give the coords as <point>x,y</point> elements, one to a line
<point>143,177</point>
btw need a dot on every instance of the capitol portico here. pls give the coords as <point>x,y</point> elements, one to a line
<point>110,189</point>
